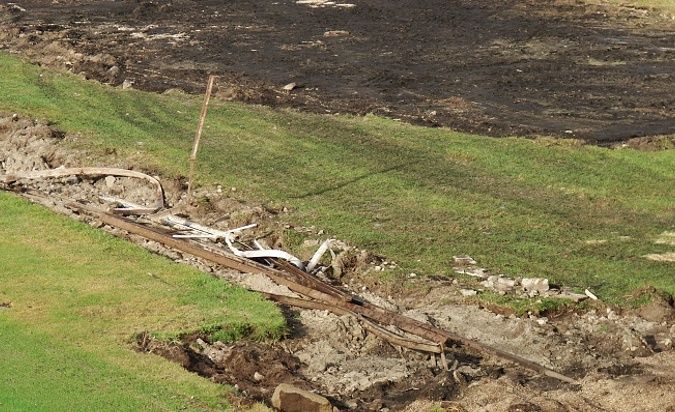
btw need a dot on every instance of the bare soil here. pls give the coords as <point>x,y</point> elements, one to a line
<point>562,68</point>
<point>623,360</point>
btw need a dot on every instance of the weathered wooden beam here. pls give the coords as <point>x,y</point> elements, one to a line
<point>304,285</point>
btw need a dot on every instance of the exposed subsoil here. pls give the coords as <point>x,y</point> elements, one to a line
<point>623,360</point>
<point>562,68</point>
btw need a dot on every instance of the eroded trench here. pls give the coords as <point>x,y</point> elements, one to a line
<point>622,361</point>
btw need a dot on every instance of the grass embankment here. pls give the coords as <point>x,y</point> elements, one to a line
<point>78,295</point>
<point>581,216</point>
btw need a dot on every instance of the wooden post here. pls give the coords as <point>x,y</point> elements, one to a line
<point>198,135</point>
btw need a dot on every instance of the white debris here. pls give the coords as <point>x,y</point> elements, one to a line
<point>590,294</point>
<point>335,33</point>
<point>290,86</point>
<point>475,272</point>
<point>535,284</point>
<point>499,283</point>
<point>110,181</point>
<point>465,260</point>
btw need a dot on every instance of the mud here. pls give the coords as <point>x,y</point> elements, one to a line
<point>562,68</point>
<point>624,361</point>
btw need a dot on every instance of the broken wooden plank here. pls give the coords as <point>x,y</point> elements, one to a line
<point>380,315</point>
<point>88,171</point>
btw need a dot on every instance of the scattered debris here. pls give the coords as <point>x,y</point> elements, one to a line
<point>9,179</point>
<point>356,362</point>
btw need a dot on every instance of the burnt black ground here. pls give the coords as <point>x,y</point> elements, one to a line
<point>559,68</point>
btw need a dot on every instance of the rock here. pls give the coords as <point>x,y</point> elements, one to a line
<point>336,33</point>
<point>126,84</point>
<point>475,272</point>
<point>310,243</point>
<point>575,297</point>
<point>499,283</point>
<point>535,284</point>
<point>258,377</point>
<point>505,283</point>
<point>464,260</point>
<point>288,398</point>
<point>468,292</point>
<point>110,181</point>
<point>290,86</point>
<point>113,72</point>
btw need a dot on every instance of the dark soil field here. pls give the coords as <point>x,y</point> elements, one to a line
<point>559,68</point>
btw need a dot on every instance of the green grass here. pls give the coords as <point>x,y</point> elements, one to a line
<point>416,195</point>
<point>78,295</point>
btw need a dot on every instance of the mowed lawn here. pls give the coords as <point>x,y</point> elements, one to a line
<point>582,216</point>
<point>71,300</point>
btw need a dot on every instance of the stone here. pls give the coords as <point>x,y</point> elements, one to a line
<point>289,398</point>
<point>575,297</point>
<point>336,33</point>
<point>290,86</point>
<point>505,284</point>
<point>113,72</point>
<point>499,283</point>
<point>110,181</point>
<point>258,377</point>
<point>464,260</point>
<point>475,272</point>
<point>535,284</point>
<point>468,292</point>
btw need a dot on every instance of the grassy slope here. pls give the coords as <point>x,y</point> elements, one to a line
<point>417,195</point>
<point>78,295</point>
